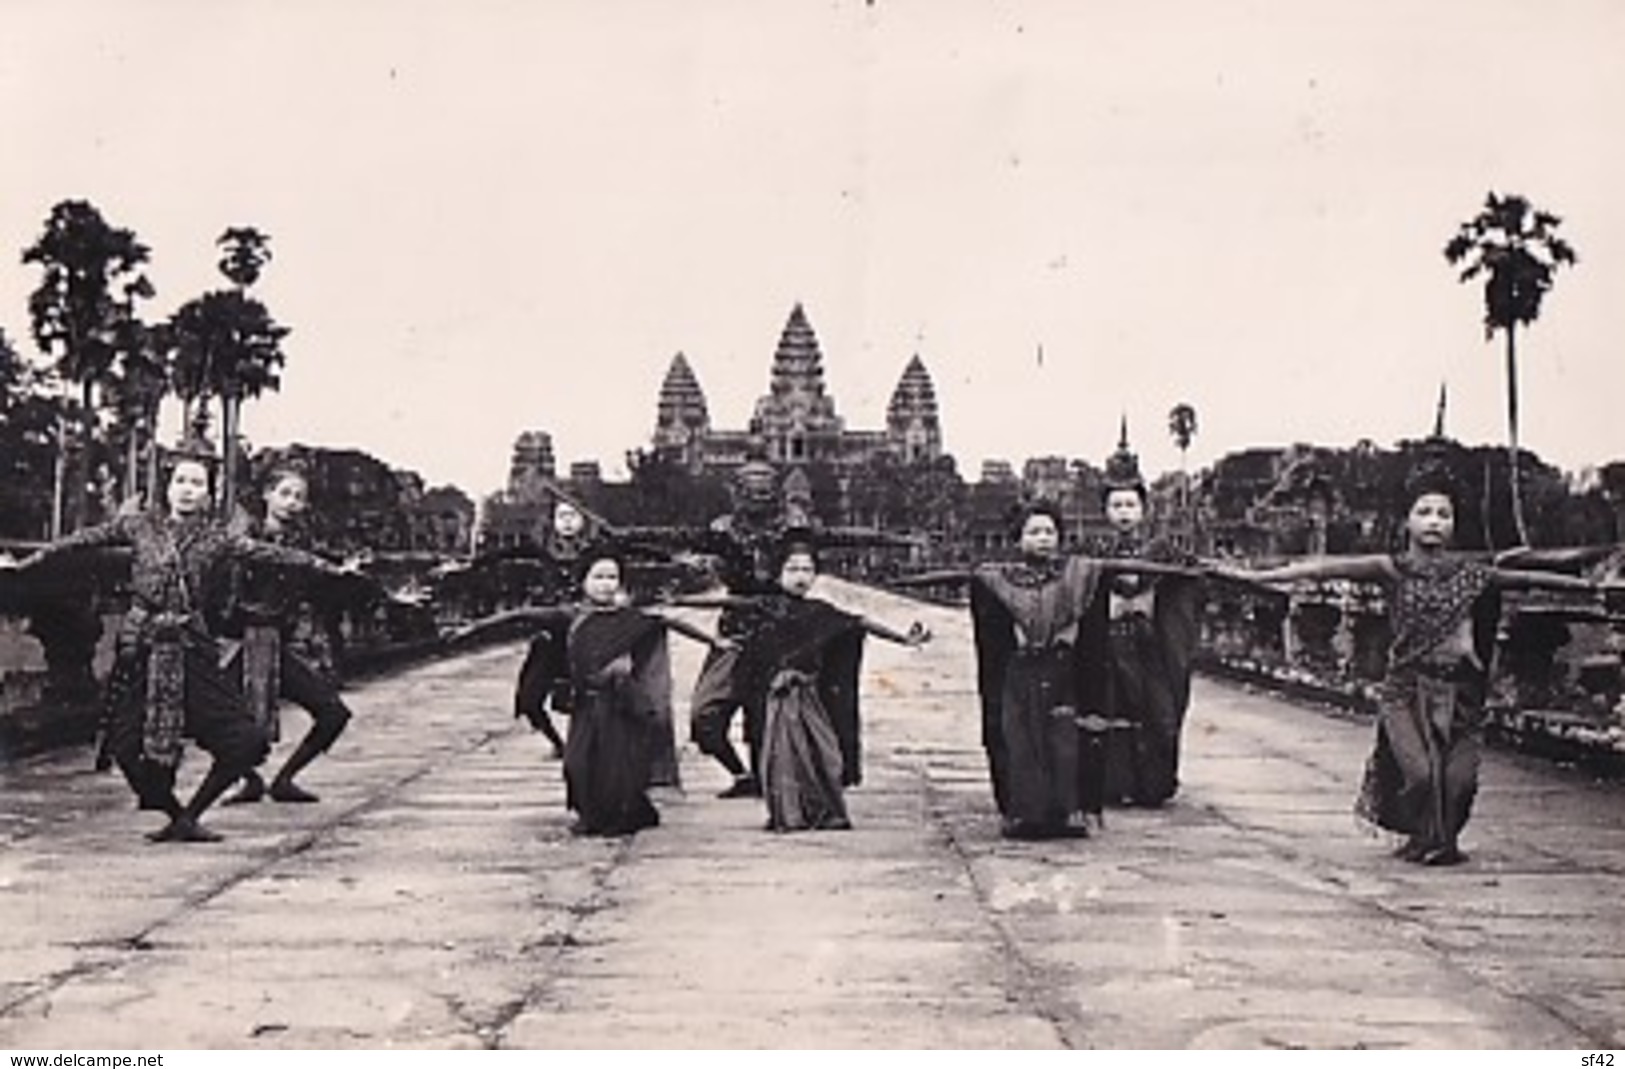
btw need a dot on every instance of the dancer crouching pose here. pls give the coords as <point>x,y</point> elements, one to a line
<point>166,682</point>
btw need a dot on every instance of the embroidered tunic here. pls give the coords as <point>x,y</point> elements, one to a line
<point>173,562</point>
<point>1422,776</point>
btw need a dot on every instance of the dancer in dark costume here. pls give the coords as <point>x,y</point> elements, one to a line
<point>1153,626</point>
<point>798,673</point>
<point>166,681</point>
<point>1444,609</point>
<point>543,681</point>
<point>286,651</point>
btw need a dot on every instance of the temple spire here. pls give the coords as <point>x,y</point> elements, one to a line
<point>682,417</point>
<point>912,421</point>
<point>1123,466</point>
<point>796,420</point>
<point>798,364</point>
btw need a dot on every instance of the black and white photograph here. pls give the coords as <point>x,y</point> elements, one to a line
<point>832,524</point>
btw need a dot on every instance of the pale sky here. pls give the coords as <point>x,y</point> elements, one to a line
<point>489,217</point>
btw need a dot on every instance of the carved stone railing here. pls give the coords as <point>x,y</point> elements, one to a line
<point>1557,686</point>
<point>56,633</point>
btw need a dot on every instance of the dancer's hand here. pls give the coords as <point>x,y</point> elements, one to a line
<point>918,634</point>
<point>8,563</point>
<point>354,563</point>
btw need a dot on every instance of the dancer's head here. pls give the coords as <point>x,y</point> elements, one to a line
<point>1038,528</point>
<point>287,495</point>
<point>1123,491</point>
<point>1430,522</point>
<point>567,520</point>
<point>601,578</point>
<point>190,489</point>
<point>798,566</point>
<point>1125,507</point>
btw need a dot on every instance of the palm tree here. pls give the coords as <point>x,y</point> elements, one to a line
<point>81,309</point>
<point>244,253</point>
<point>245,250</point>
<point>1182,426</point>
<point>142,381</point>
<point>226,344</point>
<point>1516,247</point>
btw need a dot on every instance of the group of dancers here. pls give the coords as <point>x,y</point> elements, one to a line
<point>1083,662</point>
<point>793,668</point>
<point>218,630</point>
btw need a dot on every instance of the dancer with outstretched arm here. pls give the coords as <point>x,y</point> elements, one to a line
<point>285,650</point>
<point>1040,627</point>
<point>798,672</point>
<point>1444,609</point>
<point>616,660</point>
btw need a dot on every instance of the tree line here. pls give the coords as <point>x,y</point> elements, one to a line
<point>78,429</point>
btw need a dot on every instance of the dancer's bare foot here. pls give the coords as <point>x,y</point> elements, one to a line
<point>289,791</point>
<point>1443,856</point>
<point>743,787</point>
<point>252,790</point>
<point>1413,850</point>
<point>183,830</point>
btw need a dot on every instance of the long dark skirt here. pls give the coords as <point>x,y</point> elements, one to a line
<point>1041,739</point>
<point>1142,759</point>
<point>607,760</point>
<point>1423,773</point>
<point>801,758</point>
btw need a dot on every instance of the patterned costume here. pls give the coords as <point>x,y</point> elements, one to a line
<point>286,647</point>
<point>1423,773</point>
<point>166,682</point>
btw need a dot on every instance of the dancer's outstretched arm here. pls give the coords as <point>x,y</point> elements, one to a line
<point>1525,558</point>
<point>688,630</point>
<point>916,635</point>
<point>937,578</point>
<point>115,532</point>
<point>708,601</point>
<point>1358,568</point>
<point>1137,566</point>
<point>540,617</point>
<point>1526,579</point>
